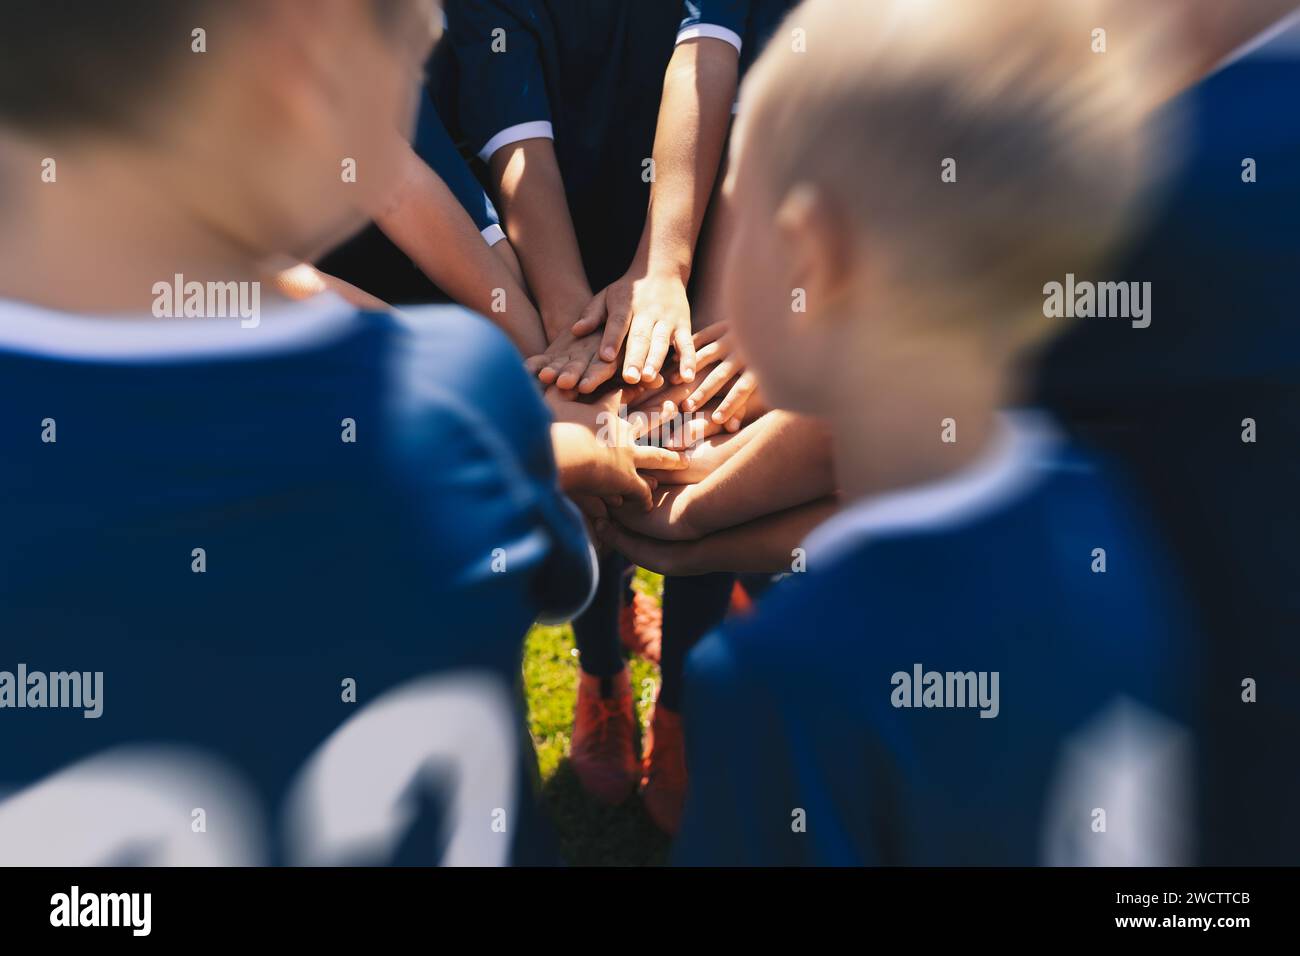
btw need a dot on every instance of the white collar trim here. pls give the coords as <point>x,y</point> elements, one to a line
<point>34,330</point>
<point>1008,468</point>
<point>1288,26</point>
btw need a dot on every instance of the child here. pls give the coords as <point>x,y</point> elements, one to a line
<point>648,309</point>
<point>554,100</point>
<point>575,151</point>
<point>282,560</point>
<point>954,679</point>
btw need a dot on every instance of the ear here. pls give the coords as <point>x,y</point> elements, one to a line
<point>819,243</point>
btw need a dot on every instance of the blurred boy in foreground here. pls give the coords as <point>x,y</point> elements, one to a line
<point>955,679</point>
<point>301,544</point>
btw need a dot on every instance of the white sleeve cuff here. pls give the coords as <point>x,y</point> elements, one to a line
<point>493,234</point>
<point>711,31</point>
<point>538,129</point>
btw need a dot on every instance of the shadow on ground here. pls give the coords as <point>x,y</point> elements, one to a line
<point>593,834</point>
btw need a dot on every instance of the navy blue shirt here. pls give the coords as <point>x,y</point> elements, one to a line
<point>810,740</point>
<point>334,677</point>
<point>747,25</point>
<point>435,146</point>
<point>588,75</point>
<point>1171,401</point>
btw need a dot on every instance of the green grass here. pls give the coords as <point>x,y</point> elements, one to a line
<point>591,834</point>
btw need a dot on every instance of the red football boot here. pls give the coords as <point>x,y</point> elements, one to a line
<point>603,751</point>
<point>663,779</point>
<point>640,626</point>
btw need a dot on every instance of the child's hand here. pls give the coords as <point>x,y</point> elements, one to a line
<point>653,314</point>
<point>615,474</point>
<point>599,412</point>
<point>717,347</point>
<point>662,400</point>
<point>571,363</point>
<point>656,414</point>
<point>701,460</point>
<point>597,454</point>
<point>663,557</point>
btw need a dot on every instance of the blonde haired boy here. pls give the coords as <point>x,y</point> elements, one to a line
<point>984,628</point>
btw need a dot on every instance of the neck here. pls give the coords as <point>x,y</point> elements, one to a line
<point>883,443</point>
<point>111,224</point>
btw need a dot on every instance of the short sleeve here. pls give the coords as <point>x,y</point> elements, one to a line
<point>434,145</point>
<point>502,86</point>
<point>715,19</point>
<point>474,437</point>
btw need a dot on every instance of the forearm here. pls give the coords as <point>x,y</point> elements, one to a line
<point>694,116</point>
<point>705,457</point>
<point>427,223</point>
<point>763,546</point>
<point>506,253</point>
<point>573,447</point>
<point>786,463</point>
<point>530,195</point>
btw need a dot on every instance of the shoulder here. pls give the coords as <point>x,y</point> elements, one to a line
<point>449,361</point>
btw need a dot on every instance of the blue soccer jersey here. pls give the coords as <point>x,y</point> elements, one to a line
<point>434,145</point>
<point>981,671</point>
<point>264,589</point>
<point>587,76</point>
<point>746,25</point>
<point>1203,406</point>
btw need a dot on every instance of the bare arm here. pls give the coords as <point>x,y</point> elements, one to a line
<point>765,545</point>
<point>787,463</point>
<point>694,117</point>
<point>429,225</point>
<point>705,457</point>
<point>530,194</point>
<point>648,305</point>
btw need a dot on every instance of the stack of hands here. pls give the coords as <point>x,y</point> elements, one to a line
<point>645,455</point>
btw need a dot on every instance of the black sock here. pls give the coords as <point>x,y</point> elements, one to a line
<point>693,606</point>
<point>596,630</point>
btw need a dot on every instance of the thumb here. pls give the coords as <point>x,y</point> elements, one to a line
<point>592,316</point>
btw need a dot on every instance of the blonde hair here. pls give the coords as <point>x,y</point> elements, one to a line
<point>1049,141</point>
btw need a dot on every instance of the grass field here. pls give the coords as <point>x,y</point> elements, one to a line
<point>591,834</point>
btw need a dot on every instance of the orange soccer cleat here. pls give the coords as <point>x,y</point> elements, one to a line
<point>603,752</point>
<point>640,626</point>
<point>663,780</point>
